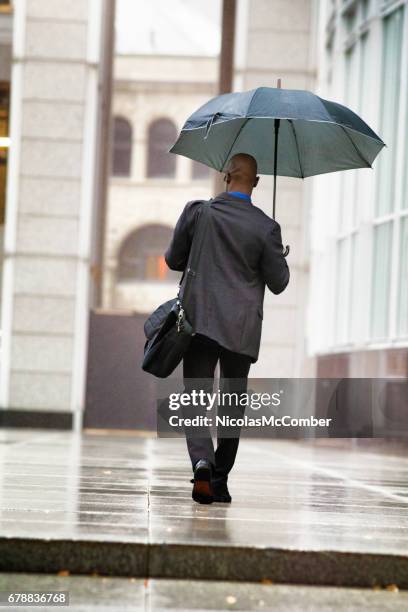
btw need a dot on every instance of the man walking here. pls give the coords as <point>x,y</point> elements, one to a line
<point>241,253</point>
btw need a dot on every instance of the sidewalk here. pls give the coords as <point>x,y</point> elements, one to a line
<point>326,514</point>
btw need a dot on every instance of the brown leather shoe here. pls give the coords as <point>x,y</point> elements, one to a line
<point>202,490</point>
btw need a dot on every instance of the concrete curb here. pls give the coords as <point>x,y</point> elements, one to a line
<point>159,560</point>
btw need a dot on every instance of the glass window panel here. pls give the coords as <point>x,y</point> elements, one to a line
<point>349,177</point>
<point>404,203</point>
<point>342,313</point>
<point>161,163</point>
<point>355,258</point>
<point>348,204</point>
<point>402,326</point>
<point>122,147</point>
<point>141,255</point>
<point>380,296</point>
<point>365,76</point>
<point>390,89</point>
<point>365,9</point>
<point>5,6</point>
<point>4,119</point>
<point>352,82</point>
<point>365,95</point>
<point>350,18</point>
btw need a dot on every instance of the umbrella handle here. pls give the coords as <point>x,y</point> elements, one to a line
<point>286,251</point>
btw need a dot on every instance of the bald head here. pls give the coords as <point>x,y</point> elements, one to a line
<point>241,173</point>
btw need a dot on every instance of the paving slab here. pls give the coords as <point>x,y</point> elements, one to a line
<point>96,593</point>
<point>319,512</point>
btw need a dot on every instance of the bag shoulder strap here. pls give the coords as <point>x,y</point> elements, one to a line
<point>198,239</point>
<point>196,248</point>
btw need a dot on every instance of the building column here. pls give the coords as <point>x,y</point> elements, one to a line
<point>55,106</point>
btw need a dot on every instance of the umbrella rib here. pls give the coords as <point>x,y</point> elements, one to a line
<point>355,146</point>
<point>297,148</point>
<point>235,140</point>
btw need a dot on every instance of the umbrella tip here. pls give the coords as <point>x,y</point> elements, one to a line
<point>279,83</point>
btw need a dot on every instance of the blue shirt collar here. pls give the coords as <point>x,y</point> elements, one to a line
<point>239,194</point>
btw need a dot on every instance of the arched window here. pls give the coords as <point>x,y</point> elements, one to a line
<point>122,147</point>
<point>200,171</point>
<point>141,255</point>
<point>161,163</point>
<point>5,6</point>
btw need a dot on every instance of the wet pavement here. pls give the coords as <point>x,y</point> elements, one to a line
<point>97,594</point>
<point>329,513</point>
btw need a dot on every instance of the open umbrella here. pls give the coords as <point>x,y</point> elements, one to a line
<point>289,132</point>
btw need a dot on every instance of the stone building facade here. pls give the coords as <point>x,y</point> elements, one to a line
<point>153,95</point>
<point>345,311</point>
<point>53,57</point>
<point>151,87</point>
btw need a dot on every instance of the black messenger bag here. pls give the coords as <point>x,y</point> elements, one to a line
<point>168,331</point>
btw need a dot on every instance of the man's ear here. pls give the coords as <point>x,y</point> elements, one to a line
<point>256,181</point>
<point>227,178</point>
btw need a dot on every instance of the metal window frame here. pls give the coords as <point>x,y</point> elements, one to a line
<point>399,212</point>
<point>393,339</point>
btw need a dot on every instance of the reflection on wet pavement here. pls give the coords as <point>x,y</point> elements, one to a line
<point>296,496</point>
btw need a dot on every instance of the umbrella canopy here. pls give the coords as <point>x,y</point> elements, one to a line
<point>315,135</point>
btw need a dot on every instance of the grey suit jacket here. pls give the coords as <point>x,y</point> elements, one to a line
<point>241,253</point>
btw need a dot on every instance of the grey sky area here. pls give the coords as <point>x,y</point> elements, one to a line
<point>176,27</point>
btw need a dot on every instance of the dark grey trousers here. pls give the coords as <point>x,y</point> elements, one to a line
<point>199,365</point>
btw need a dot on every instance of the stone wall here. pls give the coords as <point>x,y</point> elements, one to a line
<point>148,88</point>
<point>50,203</point>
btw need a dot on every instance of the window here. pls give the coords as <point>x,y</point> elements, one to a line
<point>141,256</point>
<point>346,253</point>
<point>402,321</point>
<point>364,81</point>
<point>122,147</point>
<point>356,261</point>
<point>388,213</point>
<point>5,6</point>
<point>380,296</point>
<point>342,310</point>
<point>365,9</point>
<point>391,69</point>
<point>368,256</point>
<point>161,163</point>
<point>350,17</point>
<point>404,203</point>
<point>365,93</point>
<point>402,325</point>
<point>4,145</point>
<point>200,171</point>
<point>348,206</point>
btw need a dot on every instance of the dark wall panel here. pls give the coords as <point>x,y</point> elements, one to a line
<point>119,395</point>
